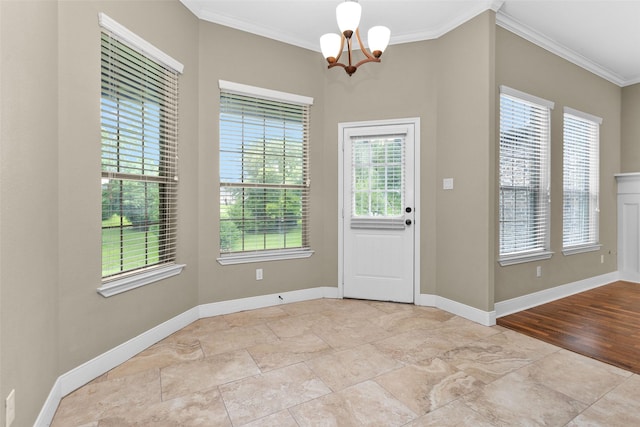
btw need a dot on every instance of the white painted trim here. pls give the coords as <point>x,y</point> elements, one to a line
<point>581,249</point>
<point>583,115</point>
<point>137,280</point>
<point>259,92</point>
<point>524,302</point>
<point>403,122</point>
<point>103,363</point>
<point>511,24</point>
<point>486,318</point>
<point>134,40</point>
<point>88,371</point>
<point>266,256</point>
<point>262,301</point>
<point>527,97</point>
<point>519,259</point>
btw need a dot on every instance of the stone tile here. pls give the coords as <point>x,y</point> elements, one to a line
<point>348,367</point>
<point>255,317</point>
<point>620,407</point>
<point>279,419</point>
<point>517,400</point>
<point>296,325</point>
<point>464,330</point>
<point>89,403</point>
<point>256,397</point>
<point>576,376</point>
<point>497,355</point>
<point>418,318</point>
<point>455,414</point>
<point>198,329</point>
<point>288,351</point>
<point>190,377</point>
<point>364,404</point>
<point>415,345</point>
<point>307,307</point>
<point>235,339</point>
<point>199,409</point>
<point>345,310</point>
<point>427,385</point>
<point>342,333</point>
<point>158,356</point>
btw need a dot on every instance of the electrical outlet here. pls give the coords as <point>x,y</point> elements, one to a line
<point>10,409</point>
<point>601,259</point>
<point>538,271</point>
<point>258,274</point>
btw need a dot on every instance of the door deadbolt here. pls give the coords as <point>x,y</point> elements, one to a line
<point>408,210</point>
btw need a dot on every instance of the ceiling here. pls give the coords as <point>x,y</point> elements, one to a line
<point>602,36</point>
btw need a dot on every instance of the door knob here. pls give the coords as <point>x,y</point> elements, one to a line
<point>408,222</point>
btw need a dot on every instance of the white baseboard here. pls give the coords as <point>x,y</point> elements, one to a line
<point>262,301</point>
<point>486,318</point>
<point>88,371</point>
<point>524,302</point>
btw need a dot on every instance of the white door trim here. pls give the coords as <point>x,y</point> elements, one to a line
<point>415,122</point>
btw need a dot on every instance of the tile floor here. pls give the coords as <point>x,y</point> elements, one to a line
<point>353,363</point>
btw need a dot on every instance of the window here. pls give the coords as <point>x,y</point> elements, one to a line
<point>264,174</point>
<point>524,177</point>
<point>138,117</point>
<point>581,163</point>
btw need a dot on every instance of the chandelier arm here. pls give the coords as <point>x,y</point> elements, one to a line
<point>364,51</point>
<point>364,61</point>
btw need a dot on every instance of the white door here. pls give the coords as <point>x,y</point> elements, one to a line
<point>378,212</point>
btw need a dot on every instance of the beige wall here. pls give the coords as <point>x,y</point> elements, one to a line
<point>465,152</point>
<point>528,68</point>
<point>630,159</point>
<point>28,205</point>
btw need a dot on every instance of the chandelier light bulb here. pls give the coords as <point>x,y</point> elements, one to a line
<point>330,46</point>
<point>378,39</point>
<point>348,17</point>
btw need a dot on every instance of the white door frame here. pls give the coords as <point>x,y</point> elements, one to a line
<point>415,122</point>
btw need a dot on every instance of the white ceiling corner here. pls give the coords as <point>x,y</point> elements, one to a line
<point>602,36</point>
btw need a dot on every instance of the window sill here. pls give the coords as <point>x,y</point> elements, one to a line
<point>581,249</point>
<point>522,258</point>
<point>266,256</point>
<point>124,284</point>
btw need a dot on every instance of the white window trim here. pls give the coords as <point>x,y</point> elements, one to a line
<point>276,255</point>
<point>274,95</point>
<point>138,42</point>
<point>139,279</point>
<point>581,249</point>
<point>546,253</point>
<point>522,258</point>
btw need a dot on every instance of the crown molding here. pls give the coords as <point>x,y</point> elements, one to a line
<point>511,24</point>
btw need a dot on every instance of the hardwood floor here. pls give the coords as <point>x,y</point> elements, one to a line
<point>603,323</point>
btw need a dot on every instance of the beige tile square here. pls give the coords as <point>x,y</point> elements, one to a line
<point>256,397</point>
<point>428,384</point>
<point>415,345</point>
<point>620,407</point>
<point>158,356</point>
<point>577,376</point>
<point>515,400</point>
<point>236,339</point>
<point>199,409</point>
<point>89,403</point>
<point>348,367</point>
<point>497,355</point>
<point>307,307</point>
<point>418,318</point>
<point>198,329</point>
<point>190,377</point>
<point>279,419</point>
<point>344,333</point>
<point>455,414</point>
<point>296,325</point>
<point>364,404</point>
<point>255,317</point>
<point>288,351</point>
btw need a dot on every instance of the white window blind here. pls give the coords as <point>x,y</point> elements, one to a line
<point>524,174</point>
<point>581,165</point>
<point>139,128</point>
<point>264,171</point>
<point>378,182</point>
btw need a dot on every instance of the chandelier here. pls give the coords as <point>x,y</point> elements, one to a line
<point>332,45</point>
